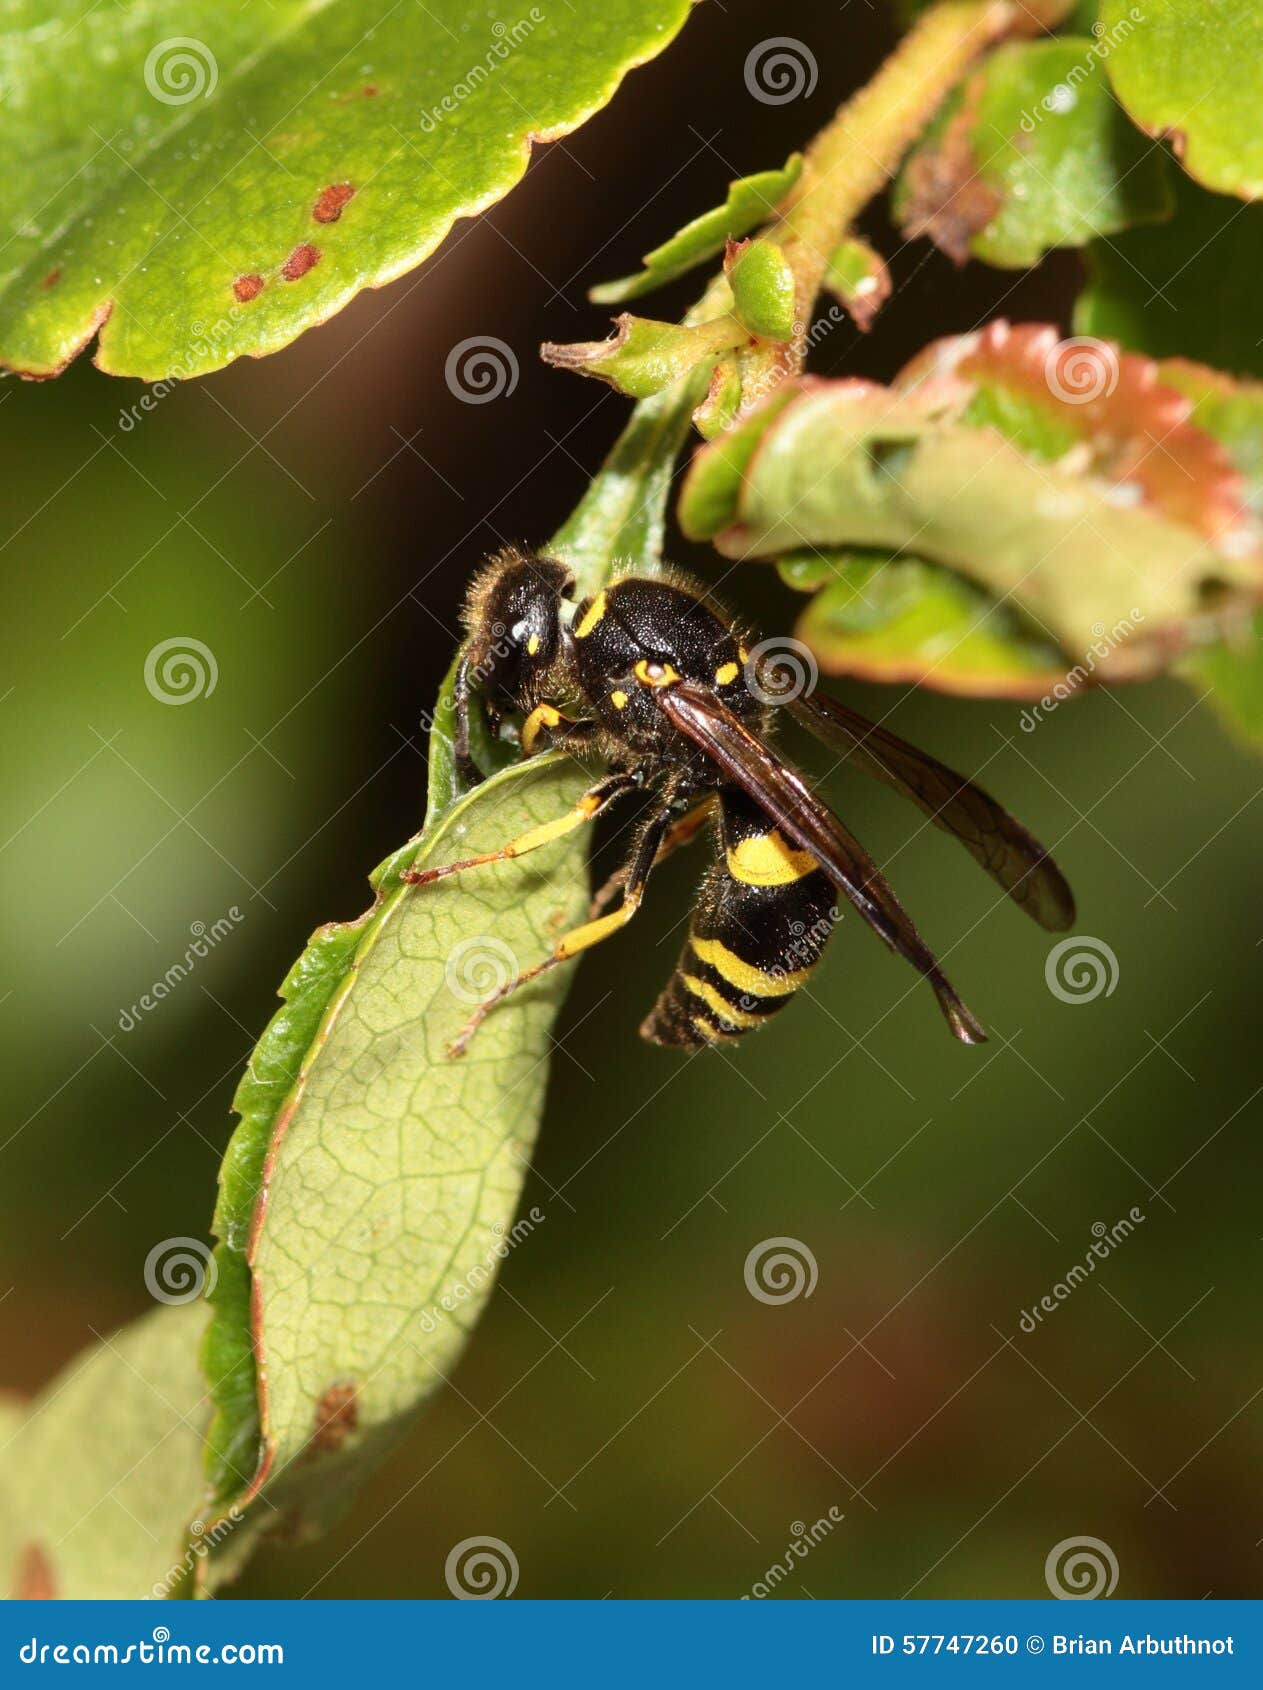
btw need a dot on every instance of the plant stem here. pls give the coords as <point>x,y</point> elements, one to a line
<point>862,146</point>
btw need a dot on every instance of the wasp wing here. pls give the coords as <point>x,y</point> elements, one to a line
<point>782,792</point>
<point>997,841</point>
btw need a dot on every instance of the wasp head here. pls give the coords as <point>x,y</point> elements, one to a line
<point>513,615</point>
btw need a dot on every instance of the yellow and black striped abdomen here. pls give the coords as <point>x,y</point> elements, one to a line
<point>762,918</point>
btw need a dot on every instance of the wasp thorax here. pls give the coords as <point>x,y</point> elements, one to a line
<point>514,619</point>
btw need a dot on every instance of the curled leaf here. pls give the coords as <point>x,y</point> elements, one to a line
<point>858,276</point>
<point>642,357</point>
<point>920,468</point>
<point>1114,411</point>
<point>901,619</point>
<point>751,200</point>
<point>1032,153</point>
<point>723,398</point>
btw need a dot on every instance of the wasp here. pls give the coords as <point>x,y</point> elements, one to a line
<point>653,676</point>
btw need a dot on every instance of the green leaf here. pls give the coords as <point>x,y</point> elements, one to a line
<point>357,1052</point>
<point>1189,72</point>
<point>201,181</point>
<point>1188,288</point>
<point>394,1170</point>
<point>642,357</point>
<point>751,200</point>
<point>102,1478</point>
<point>1231,673</point>
<point>718,410</point>
<point>1231,411</point>
<point>1231,669</point>
<point>858,276</point>
<point>762,286</point>
<point>903,620</point>
<point>1032,153</point>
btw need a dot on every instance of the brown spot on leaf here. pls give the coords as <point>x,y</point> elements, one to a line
<point>947,198</point>
<point>247,288</point>
<point>51,279</point>
<point>34,1580</point>
<point>302,259</point>
<point>328,208</point>
<point>336,1418</point>
<point>368,90</point>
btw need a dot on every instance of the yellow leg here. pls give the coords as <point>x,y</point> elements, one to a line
<point>568,946</point>
<point>680,833</point>
<point>581,938</point>
<point>543,716</point>
<point>585,810</point>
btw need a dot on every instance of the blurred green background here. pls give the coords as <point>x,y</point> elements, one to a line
<point>628,1417</point>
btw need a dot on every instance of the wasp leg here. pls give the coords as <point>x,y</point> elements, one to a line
<point>469,771</point>
<point>682,832</point>
<point>594,800</point>
<point>561,730</point>
<point>644,854</point>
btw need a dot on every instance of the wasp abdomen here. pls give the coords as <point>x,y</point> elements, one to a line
<point>762,919</point>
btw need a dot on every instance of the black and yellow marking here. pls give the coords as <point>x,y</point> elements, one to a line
<point>761,923</point>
